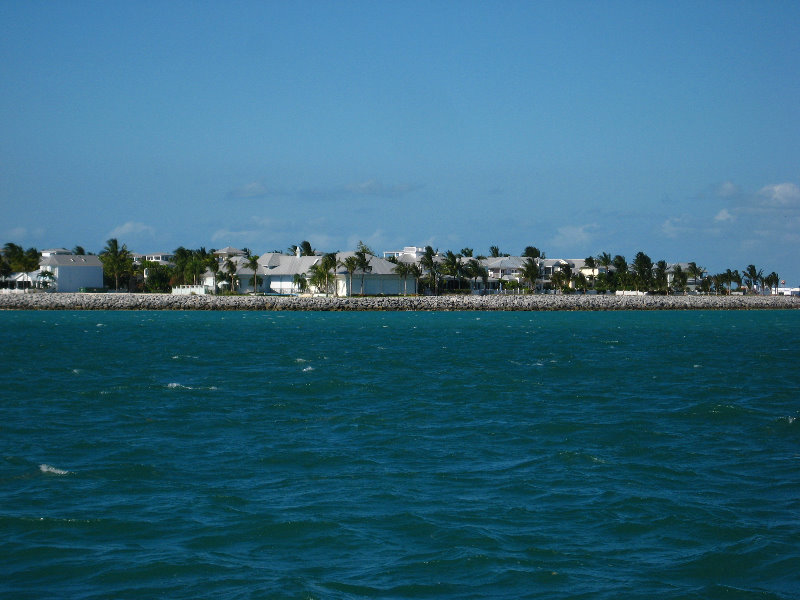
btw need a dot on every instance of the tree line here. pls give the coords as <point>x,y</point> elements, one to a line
<point>435,272</point>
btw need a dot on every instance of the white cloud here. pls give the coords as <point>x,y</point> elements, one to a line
<point>724,216</point>
<point>254,189</point>
<point>377,188</point>
<point>572,235</point>
<point>673,227</point>
<point>781,195</point>
<point>727,189</point>
<point>131,228</point>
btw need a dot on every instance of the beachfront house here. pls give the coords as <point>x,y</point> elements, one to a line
<point>379,278</point>
<point>242,276</point>
<point>283,274</point>
<point>69,272</point>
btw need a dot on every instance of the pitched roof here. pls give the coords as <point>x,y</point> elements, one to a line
<point>293,265</point>
<point>271,259</point>
<point>380,266</point>
<point>71,260</point>
<point>229,250</point>
<point>505,262</point>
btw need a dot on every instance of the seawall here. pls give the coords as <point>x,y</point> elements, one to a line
<point>112,301</point>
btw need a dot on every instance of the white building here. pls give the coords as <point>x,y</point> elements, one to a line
<point>71,272</point>
<point>278,274</point>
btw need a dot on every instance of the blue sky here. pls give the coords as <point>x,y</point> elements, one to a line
<point>578,127</point>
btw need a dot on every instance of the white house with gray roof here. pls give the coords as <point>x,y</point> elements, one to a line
<point>278,274</point>
<point>71,272</point>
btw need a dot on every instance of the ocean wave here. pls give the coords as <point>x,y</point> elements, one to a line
<point>48,469</point>
<point>179,386</point>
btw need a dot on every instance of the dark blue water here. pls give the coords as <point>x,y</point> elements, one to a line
<point>400,455</point>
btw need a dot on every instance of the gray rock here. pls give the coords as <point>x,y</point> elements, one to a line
<point>542,302</point>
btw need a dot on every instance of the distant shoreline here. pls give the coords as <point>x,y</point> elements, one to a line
<point>538,302</point>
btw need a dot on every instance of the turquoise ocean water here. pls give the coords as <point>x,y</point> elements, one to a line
<point>400,455</point>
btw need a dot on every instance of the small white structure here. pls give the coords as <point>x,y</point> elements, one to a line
<point>190,290</point>
<point>407,254</point>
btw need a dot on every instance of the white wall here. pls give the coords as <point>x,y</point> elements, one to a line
<point>72,279</point>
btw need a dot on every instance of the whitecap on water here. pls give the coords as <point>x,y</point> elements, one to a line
<point>48,469</point>
<point>308,369</point>
<point>178,385</point>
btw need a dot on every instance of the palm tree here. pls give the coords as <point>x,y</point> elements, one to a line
<point>557,279</point>
<point>78,251</point>
<point>363,252</point>
<point>752,276</point>
<point>604,260</point>
<point>318,277</point>
<point>643,271</point>
<point>660,279</point>
<point>428,262</point>
<point>451,266</point>
<point>719,282</point>
<point>621,275</point>
<point>46,279</point>
<point>591,264</point>
<point>494,251</point>
<point>679,278</point>
<point>466,252</point>
<point>415,271</point>
<point>30,260</point>
<point>351,266</point>
<point>301,282</point>
<point>696,273</point>
<point>181,258</point>
<point>5,267</point>
<point>772,281</point>
<point>196,266</point>
<point>306,249</point>
<point>532,252</point>
<point>402,270</point>
<point>252,264</point>
<point>230,269</point>
<point>328,264</point>
<point>213,266</point>
<point>15,256</point>
<point>116,261</point>
<point>566,269</point>
<point>530,272</point>
<point>468,271</point>
<point>581,282</point>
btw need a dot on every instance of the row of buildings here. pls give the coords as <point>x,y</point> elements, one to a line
<point>61,270</point>
<point>277,273</point>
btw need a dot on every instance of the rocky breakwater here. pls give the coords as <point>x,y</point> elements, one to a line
<point>539,302</point>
